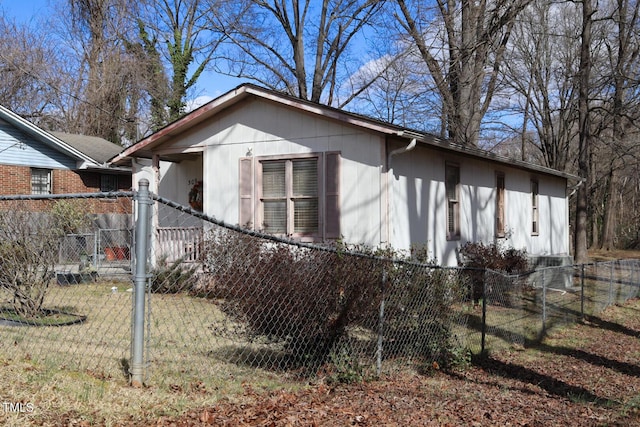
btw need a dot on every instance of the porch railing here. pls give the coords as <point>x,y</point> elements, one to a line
<point>179,243</point>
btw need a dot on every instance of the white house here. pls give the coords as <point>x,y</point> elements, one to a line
<point>271,162</point>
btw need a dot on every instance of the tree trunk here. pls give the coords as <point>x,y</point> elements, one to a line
<point>609,226</point>
<point>580,237</point>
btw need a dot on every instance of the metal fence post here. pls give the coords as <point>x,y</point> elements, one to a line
<point>484,312</point>
<point>383,286</point>
<point>610,299</point>
<point>143,201</point>
<point>582,291</point>
<point>544,302</point>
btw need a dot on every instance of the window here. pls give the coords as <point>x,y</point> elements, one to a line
<point>297,195</point>
<point>108,183</point>
<point>535,226</point>
<point>452,188</point>
<point>290,196</point>
<point>40,181</point>
<point>500,227</point>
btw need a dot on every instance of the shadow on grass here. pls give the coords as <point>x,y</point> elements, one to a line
<point>262,358</point>
<point>622,367</point>
<point>548,383</point>
<point>598,323</point>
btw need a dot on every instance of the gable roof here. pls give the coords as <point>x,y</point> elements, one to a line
<point>88,152</point>
<point>97,148</point>
<point>145,147</point>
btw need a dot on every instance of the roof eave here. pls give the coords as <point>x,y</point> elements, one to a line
<point>44,136</point>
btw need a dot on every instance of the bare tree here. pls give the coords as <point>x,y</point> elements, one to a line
<point>397,95</point>
<point>541,67</point>
<point>584,74</point>
<point>623,47</point>
<point>27,69</point>
<point>180,31</point>
<point>107,93</point>
<point>299,46</point>
<point>465,69</point>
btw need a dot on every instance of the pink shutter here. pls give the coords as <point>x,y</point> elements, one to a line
<point>332,196</point>
<point>245,214</point>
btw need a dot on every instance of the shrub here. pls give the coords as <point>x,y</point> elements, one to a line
<point>172,278</point>
<point>70,216</point>
<point>478,257</point>
<point>303,298</point>
<point>28,253</point>
<point>310,299</point>
<point>420,311</point>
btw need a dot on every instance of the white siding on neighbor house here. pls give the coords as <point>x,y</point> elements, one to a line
<point>20,149</point>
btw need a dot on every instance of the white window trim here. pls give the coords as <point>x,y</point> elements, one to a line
<point>49,173</point>
<point>455,234</point>
<point>310,237</point>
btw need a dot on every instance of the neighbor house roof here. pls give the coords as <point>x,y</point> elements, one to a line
<point>145,147</point>
<point>89,152</point>
<point>95,147</point>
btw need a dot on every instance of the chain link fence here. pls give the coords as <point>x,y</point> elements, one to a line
<point>58,303</point>
<point>222,302</point>
<point>520,309</point>
<point>220,295</point>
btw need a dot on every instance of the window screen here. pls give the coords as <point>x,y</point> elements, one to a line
<point>40,181</point>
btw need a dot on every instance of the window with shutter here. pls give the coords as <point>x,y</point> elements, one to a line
<point>534,208</point>
<point>500,226</point>
<point>297,195</point>
<point>274,197</point>
<point>305,196</point>
<point>452,184</point>
<point>289,196</point>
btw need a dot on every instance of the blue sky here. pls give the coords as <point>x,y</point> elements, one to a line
<point>210,85</point>
<point>24,10</point>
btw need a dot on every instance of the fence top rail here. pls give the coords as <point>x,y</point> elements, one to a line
<point>106,195</point>
<point>564,267</point>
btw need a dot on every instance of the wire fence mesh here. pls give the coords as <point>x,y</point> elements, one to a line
<point>57,303</point>
<point>224,302</point>
<point>258,301</point>
<point>520,309</point>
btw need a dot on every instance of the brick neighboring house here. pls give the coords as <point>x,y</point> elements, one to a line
<point>34,161</point>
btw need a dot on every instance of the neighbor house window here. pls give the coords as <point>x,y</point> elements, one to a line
<point>108,183</point>
<point>40,181</point>
<point>290,196</point>
<point>296,195</point>
<point>535,225</point>
<point>452,188</point>
<point>500,227</point>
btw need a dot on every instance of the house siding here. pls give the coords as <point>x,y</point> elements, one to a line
<point>397,200</point>
<point>419,211</point>
<point>265,130</point>
<point>20,149</point>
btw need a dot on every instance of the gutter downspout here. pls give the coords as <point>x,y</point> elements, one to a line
<point>398,151</point>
